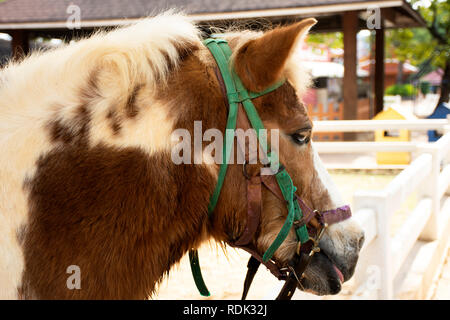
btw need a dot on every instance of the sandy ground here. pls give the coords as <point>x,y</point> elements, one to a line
<point>442,290</point>
<point>224,272</point>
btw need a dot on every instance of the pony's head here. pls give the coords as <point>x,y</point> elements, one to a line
<point>261,60</point>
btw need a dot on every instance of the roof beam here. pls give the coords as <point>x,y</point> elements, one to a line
<point>388,15</point>
<point>222,16</point>
<point>350,86</point>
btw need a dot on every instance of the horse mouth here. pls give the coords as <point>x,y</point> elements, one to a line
<point>339,273</point>
<point>322,277</point>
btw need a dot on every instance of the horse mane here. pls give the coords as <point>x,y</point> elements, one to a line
<point>118,61</point>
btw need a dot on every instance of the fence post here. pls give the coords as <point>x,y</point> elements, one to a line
<point>377,257</point>
<point>431,190</point>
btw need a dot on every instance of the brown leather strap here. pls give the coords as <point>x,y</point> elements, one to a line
<point>221,85</point>
<point>329,216</point>
<point>254,208</point>
<point>297,267</point>
<point>270,182</point>
<point>336,215</point>
<point>272,266</point>
<point>249,147</point>
<point>252,267</point>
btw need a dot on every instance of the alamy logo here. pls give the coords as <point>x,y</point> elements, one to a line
<point>374,17</point>
<point>74,19</point>
<point>247,141</point>
<point>74,280</point>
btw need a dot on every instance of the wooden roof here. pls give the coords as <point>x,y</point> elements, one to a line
<point>53,14</point>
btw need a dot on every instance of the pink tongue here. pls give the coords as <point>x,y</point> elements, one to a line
<point>339,273</point>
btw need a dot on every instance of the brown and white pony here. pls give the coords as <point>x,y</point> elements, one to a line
<point>86,177</point>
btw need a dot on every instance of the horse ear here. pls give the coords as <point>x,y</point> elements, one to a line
<point>260,62</point>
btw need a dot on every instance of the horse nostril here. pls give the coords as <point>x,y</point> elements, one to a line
<point>361,241</point>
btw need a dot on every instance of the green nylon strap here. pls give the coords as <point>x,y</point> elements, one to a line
<point>244,97</point>
<point>237,93</point>
<point>302,232</point>
<point>294,213</point>
<point>222,62</point>
<point>283,178</point>
<point>197,273</point>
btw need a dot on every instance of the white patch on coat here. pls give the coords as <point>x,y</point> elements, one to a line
<point>20,151</point>
<point>150,130</point>
<point>341,238</point>
<point>326,180</point>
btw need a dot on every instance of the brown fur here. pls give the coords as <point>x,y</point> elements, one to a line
<point>110,209</point>
<point>130,107</point>
<point>114,121</point>
<point>255,62</point>
<point>108,213</point>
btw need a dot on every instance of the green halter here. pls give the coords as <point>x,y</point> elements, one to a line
<point>237,93</point>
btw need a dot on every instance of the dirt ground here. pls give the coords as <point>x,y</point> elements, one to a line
<point>442,288</point>
<point>224,272</point>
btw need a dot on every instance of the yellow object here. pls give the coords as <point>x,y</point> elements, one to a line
<point>392,113</point>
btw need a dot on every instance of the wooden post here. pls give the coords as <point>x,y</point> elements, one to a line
<point>350,87</point>
<point>379,69</point>
<point>431,230</point>
<point>19,44</point>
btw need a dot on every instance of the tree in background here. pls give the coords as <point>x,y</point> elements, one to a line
<point>430,47</point>
<point>398,46</point>
<point>334,40</point>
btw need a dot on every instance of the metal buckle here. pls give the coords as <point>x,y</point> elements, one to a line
<point>315,241</point>
<point>319,217</point>
<point>316,248</point>
<point>298,223</point>
<point>295,274</point>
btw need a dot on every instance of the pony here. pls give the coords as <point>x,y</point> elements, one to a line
<point>87,180</point>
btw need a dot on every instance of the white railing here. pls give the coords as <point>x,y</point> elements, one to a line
<point>428,176</point>
<point>370,125</point>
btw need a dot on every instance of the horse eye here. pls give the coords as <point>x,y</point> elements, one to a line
<point>301,138</point>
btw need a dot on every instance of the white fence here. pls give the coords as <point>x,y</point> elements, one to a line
<point>428,176</point>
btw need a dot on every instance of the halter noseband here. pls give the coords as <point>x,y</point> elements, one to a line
<point>243,112</point>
